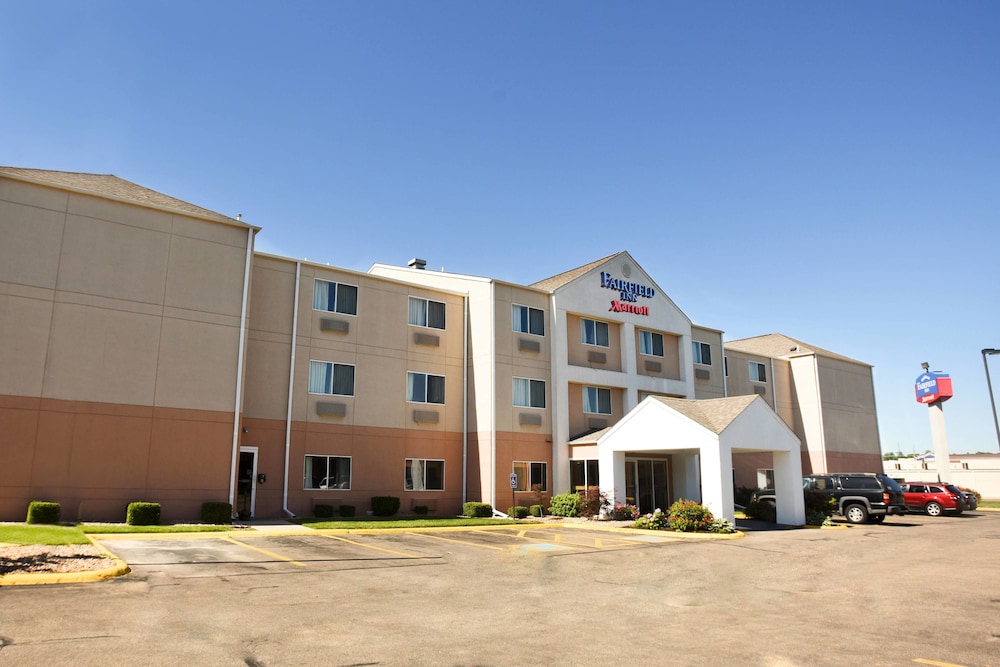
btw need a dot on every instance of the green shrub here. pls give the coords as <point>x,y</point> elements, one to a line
<point>40,511</point>
<point>655,520</point>
<point>819,503</point>
<point>760,510</point>
<point>385,505</point>
<point>979,496</point>
<point>322,511</point>
<point>477,509</point>
<point>216,512</point>
<point>517,512</point>
<point>347,510</point>
<point>537,510</point>
<point>421,509</point>
<point>687,516</point>
<point>625,513</point>
<point>143,514</point>
<point>744,494</point>
<point>722,526</point>
<point>565,504</point>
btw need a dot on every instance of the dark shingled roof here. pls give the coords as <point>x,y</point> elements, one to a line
<point>112,187</point>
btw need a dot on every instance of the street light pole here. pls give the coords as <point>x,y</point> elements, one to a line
<point>989,386</point>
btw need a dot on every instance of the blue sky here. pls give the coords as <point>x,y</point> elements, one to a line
<point>830,171</point>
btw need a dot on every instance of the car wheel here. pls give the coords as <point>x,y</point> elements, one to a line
<point>933,509</point>
<point>856,514</point>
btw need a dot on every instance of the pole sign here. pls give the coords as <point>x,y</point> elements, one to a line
<point>932,387</point>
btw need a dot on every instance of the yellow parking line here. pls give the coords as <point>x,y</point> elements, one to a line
<point>923,661</point>
<point>369,546</point>
<point>450,539</point>
<point>266,552</point>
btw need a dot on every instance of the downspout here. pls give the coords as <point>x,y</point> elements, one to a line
<point>493,398</point>
<point>239,371</point>
<point>291,387</point>
<point>465,405</point>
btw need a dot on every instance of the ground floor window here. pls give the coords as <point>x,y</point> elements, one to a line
<point>583,473</point>
<point>423,475</point>
<point>765,478</point>
<point>531,475</point>
<point>327,472</point>
<point>647,485</point>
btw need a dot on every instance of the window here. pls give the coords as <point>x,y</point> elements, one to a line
<point>702,353</point>
<point>651,343</point>
<point>326,377</point>
<point>757,372</point>
<point>597,400</point>
<point>327,473</point>
<point>334,297</point>
<point>424,388</point>
<point>765,478</point>
<point>529,393</point>
<point>423,475</point>
<point>725,365</point>
<point>529,320</point>
<point>594,333</point>
<point>583,474</point>
<point>531,475</point>
<point>425,313</point>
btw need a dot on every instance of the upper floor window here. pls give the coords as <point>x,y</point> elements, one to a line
<point>757,372</point>
<point>326,377</point>
<point>702,353</point>
<point>651,343</point>
<point>424,388</point>
<point>529,393</point>
<point>528,320</point>
<point>426,313</point>
<point>335,297</point>
<point>597,400</point>
<point>594,333</point>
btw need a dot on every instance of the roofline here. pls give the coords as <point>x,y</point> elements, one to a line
<point>355,272</point>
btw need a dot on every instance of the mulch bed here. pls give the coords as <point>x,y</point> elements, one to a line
<point>37,558</point>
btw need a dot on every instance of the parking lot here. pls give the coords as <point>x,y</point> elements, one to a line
<point>914,590</point>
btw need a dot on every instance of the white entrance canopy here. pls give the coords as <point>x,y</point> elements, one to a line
<point>701,436</point>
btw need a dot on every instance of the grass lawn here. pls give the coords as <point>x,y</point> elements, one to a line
<point>23,533</point>
<point>991,504</point>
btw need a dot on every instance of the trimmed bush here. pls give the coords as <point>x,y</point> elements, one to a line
<point>565,504</point>
<point>537,510</point>
<point>517,512</point>
<point>476,509</point>
<point>40,511</point>
<point>347,510</point>
<point>323,511</point>
<point>143,514</point>
<point>687,516</point>
<point>421,510</point>
<point>216,512</point>
<point>760,510</point>
<point>385,505</point>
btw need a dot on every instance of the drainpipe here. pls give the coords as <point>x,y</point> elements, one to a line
<point>291,387</point>
<point>239,372</point>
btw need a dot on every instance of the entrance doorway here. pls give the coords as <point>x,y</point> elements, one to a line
<point>246,483</point>
<point>647,484</point>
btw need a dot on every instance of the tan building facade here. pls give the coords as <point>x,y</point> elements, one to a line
<point>148,353</point>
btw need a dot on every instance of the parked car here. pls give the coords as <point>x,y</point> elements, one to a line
<point>971,502</point>
<point>933,498</point>
<point>860,496</point>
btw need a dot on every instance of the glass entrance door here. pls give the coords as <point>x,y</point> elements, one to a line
<point>647,484</point>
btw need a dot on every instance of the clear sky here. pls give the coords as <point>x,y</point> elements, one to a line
<point>830,171</point>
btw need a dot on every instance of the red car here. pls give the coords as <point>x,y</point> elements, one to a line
<point>934,498</point>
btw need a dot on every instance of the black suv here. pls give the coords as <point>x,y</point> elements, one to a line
<point>861,496</point>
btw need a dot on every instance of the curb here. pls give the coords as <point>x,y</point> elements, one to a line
<point>119,568</point>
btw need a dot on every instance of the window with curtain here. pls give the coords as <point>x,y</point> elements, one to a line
<point>529,393</point>
<point>528,320</point>
<point>327,473</point>
<point>424,388</point>
<point>597,400</point>
<point>335,297</point>
<point>702,353</point>
<point>651,343</point>
<point>531,475</point>
<point>757,373</point>
<point>423,475</point>
<point>326,377</point>
<point>593,332</point>
<point>426,313</point>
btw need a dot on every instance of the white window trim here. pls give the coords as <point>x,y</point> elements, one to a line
<point>323,393</point>
<point>350,479</point>
<point>429,301</point>
<point>530,380</point>
<point>338,284</point>
<point>444,467</point>
<point>599,390</point>
<point>652,333</point>
<point>596,322</point>
<point>530,308</point>
<point>709,345</point>
<point>756,365</point>
<point>426,375</point>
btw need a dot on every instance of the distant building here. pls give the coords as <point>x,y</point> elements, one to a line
<point>147,352</point>
<point>980,472</point>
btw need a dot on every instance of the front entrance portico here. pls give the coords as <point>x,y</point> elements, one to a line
<point>700,436</point>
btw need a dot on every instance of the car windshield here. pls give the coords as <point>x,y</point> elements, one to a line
<point>891,484</point>
<point>954,489</point>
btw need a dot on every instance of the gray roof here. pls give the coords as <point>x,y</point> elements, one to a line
<point>112,187</point>
<point>779,346</point>
<point>555,282</point>
<point>715,414</point>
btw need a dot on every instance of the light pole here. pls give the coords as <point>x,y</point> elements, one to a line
<point>989,386</point>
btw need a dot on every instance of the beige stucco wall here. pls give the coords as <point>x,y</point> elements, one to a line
<point>715,385</point>
<point>849,416</point>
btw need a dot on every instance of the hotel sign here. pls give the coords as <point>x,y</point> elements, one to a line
<point>629,294</point>
<point>933,387</point>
